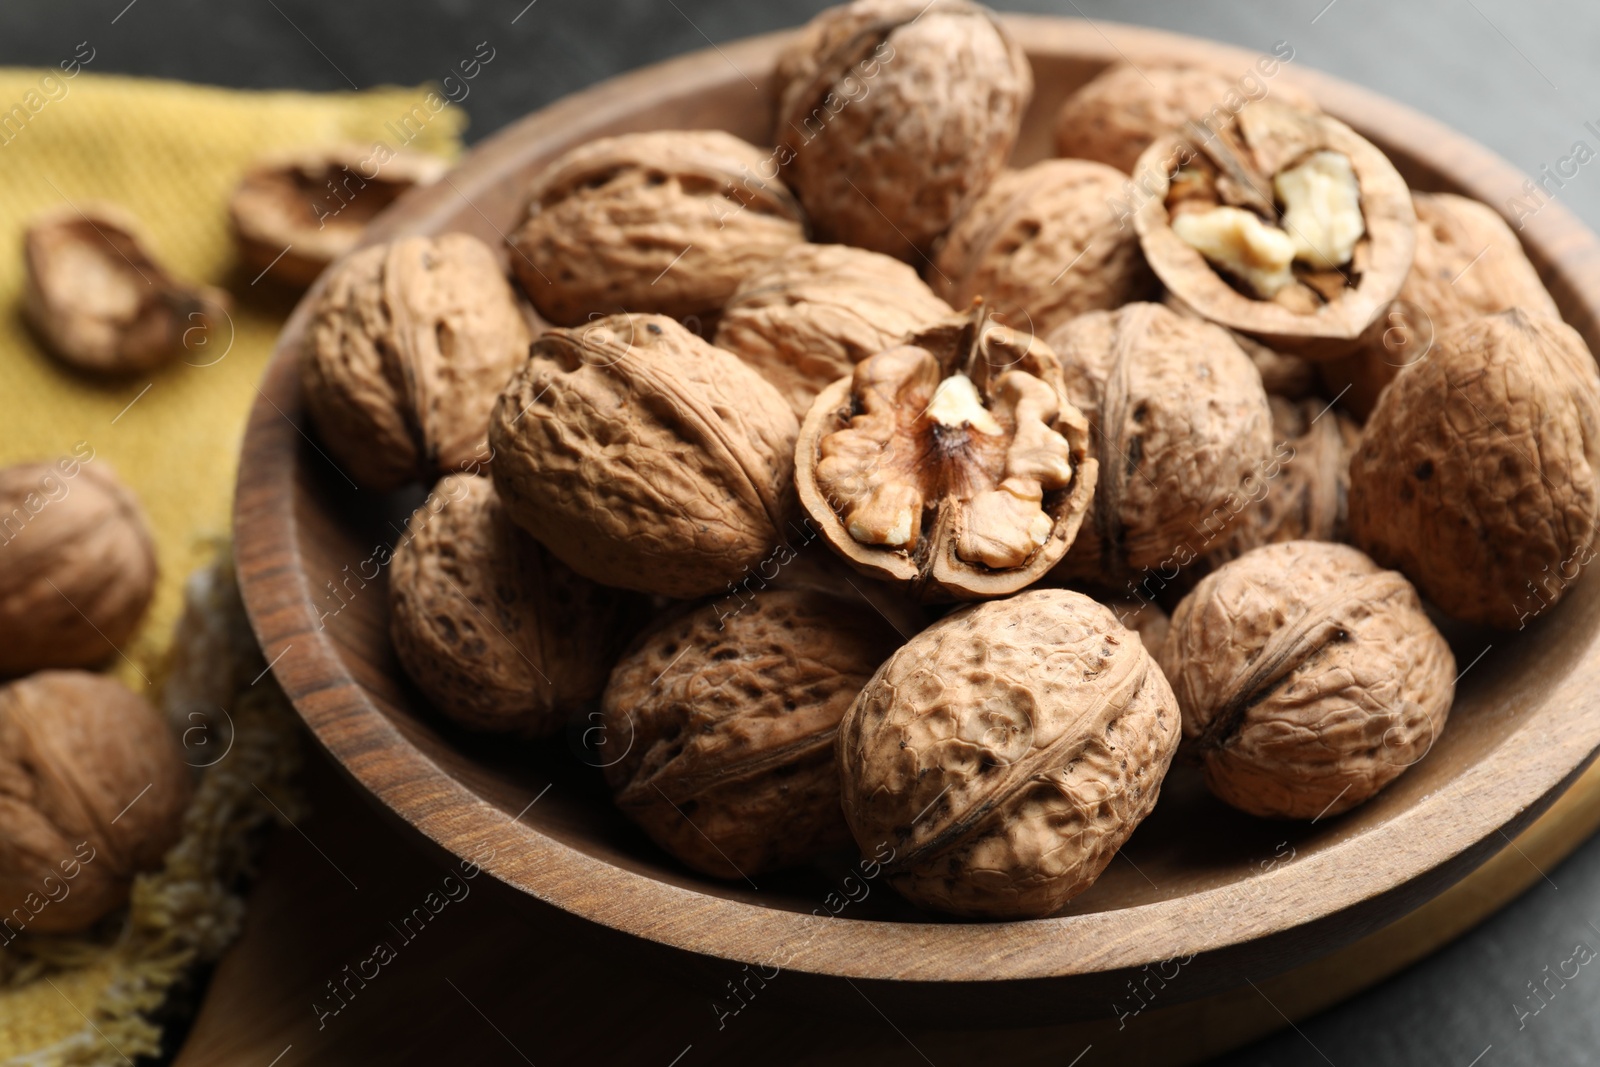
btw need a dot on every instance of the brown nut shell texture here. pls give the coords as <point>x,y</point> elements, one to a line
<point>1006,753</point>
<point>668,221</point>
<point>645,458</point>
<point>952,464</point>
<point>1476,473</point>
<point>894,114</point>
<point>728,721</point>
<point>408,347</point>
<point>1309,679</point>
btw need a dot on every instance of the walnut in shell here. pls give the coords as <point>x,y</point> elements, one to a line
<point>643,457</point>
<point>1476,472</point>
<point>409,345</point>
<point>1143,617</point>
<point>499,634</point>
<point>808,318</point>
<point>894,114</point>
<point>731,722</point>
<point>1005,754</point>
<point>79,565</point>
<point>99,300</point>
<point>1309,679</point>
<point>952,464</point>
<point>668,221</point>
<point>92,792</point>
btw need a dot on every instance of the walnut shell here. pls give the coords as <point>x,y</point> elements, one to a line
<point>894,114</point>
<point>408,347</point>
<point>499,634</point>
<point>80,565</point>
<point>92,792</point>
<point>643,457</point>
<point>1042,245</point>
<point>1180,425</point>
<point>295,213</point>
<point>733,719</point>
<point>668,221</point>
<point>101,302</point>
<point>1309,678</point>
<point>1476,472</point>
<point>807,319</point>
<point>1143,617</point>
<point>1005,754</point>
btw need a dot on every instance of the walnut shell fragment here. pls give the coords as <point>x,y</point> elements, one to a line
<point>643,457</point>
<point>893,114</point>
<point>951,464</point>
<point>1006,753</point>
<point>1309,679</point>
<point>668,221</point>
<point>92,792</point>
<point>1476,472</point>
<point>408,347</point>
<point>732,720</point>
<point>99,300</point>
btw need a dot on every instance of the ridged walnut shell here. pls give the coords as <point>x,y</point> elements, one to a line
<point>409,345</point>
<point>1143,617</point>
<point>1043,244</point>
<point>1476,472</point>
<point>807,319</point>
<point>1309,679</point>
<point>894,114</point>
<point>92,792</point>
<point>668,221</point>
<point>79,565</point>
<point>495,631</point>
<point>645,458</point>
<point>730,722</point>
<point>1006,752</point>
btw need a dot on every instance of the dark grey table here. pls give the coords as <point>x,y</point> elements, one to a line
<point>1519,77</point>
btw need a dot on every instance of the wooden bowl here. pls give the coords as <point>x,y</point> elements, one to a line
<point>1233,898</point>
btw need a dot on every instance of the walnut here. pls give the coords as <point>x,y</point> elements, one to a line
<point>1476,472</point>
<point>1281,374</point>
<point>499,635</point>
<point>643,457</point>
<point>732,718</point>
<point>1309,678</point>
<point>293,214</point>
<point>101,302</point>
<point>92,792</point>
<point>409,344</point>
<point>1182,430</point>
<point>79,565</point>
<point>1043,244</point>
<point>951,464</point>
<point>1143,617</point>
<point>668,221</point>
<point>807,319</point>
<point>894,114</point>
<point>1005,754</point>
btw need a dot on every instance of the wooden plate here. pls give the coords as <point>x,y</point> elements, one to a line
<point>1232,897</point>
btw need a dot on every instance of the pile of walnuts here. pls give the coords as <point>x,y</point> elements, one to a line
<point>849,483</point>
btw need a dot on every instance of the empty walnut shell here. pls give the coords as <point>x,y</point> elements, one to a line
<point>1005,754</point>
<point>894,114</point>
<point>499,634</point>
<point>1043,244</point>
<point>101,302</point>
<point>92,792</point>
<point>732,720</point>
<point>294,214</point>
<point>645,458</point>
<point>1309,679</point>
<point>808,318</point>
<point>668,221</point>
<point>409,345</point>
<point>1476,472</point>
<point>952,465</point>
<point>79,565</point>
